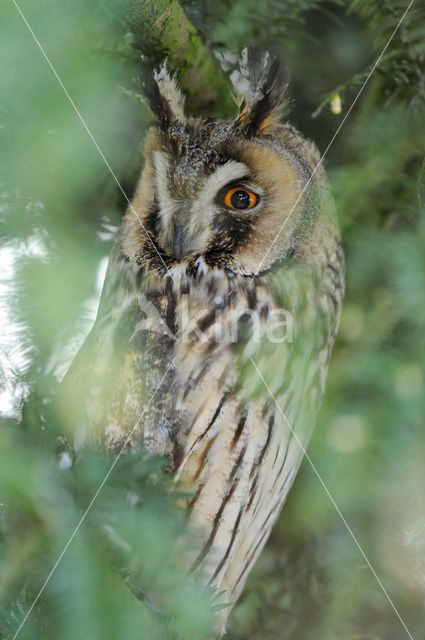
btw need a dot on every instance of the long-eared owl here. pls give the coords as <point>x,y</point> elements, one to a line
<point>218,314</point>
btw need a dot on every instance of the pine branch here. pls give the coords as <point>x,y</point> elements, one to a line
<point>402,68</point>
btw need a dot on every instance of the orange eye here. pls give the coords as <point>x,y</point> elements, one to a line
<point>240,198</point>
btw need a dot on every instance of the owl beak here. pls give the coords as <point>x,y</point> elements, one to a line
<point>183,244</point>
<point>178,243</point>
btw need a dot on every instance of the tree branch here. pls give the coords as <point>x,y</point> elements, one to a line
<point>162,30</point>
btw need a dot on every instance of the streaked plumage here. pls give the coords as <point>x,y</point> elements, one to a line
<point>189,282</point>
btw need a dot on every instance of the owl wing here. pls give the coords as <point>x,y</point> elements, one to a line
<point>103,392</point>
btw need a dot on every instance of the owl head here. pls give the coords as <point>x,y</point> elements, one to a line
<point>237,194</point>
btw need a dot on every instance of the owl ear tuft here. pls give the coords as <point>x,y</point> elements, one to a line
<point>164,97</point>
<point>261,86</point>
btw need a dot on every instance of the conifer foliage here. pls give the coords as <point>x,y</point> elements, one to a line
<point>119,576</point>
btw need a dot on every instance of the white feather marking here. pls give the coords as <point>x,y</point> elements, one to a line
<point>169,89</point>
<point>202,267</point>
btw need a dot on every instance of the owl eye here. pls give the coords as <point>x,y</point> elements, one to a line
<point>240,198</point>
